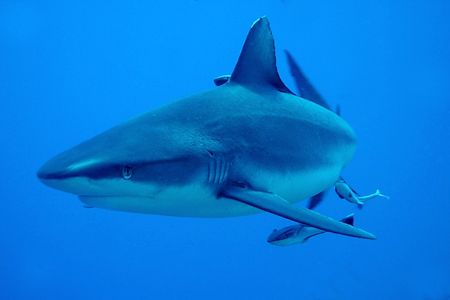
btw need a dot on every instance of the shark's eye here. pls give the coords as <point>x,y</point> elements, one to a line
<point>127,172</point>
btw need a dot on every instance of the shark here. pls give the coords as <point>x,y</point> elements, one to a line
<point>246,146</point>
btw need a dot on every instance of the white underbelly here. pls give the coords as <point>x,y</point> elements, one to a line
<point>199,199</point>
<point>188,201</point>
<point>295,186</point>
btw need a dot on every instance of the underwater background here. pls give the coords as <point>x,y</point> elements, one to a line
<point>71,69</point>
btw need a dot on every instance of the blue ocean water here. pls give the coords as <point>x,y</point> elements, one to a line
<point>69,70</point>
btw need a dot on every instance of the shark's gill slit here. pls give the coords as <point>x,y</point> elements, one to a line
<point>211,170</point>
<point>218,170</point>
<point>224,173</point>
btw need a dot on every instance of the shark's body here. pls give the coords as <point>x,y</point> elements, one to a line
<point>246,145</point>
<point>227,140</point>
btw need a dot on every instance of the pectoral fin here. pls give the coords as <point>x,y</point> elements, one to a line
<point>276,205</point>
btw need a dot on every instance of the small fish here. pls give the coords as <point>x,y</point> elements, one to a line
<point>344,191</point>
<point>296,234</point>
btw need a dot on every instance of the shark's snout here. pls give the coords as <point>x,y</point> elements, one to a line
<point>50,171</point>
<point>64,166</point>
<point>53,174</point>
<point>66,169</point>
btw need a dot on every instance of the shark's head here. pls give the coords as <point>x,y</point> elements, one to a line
<point>96,174</point>
<point>86,171</point>
<point>117,163</point>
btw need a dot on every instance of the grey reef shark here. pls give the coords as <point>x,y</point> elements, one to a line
<point>247,145</point>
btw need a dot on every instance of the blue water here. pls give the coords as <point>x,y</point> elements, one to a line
<point>69,70</point>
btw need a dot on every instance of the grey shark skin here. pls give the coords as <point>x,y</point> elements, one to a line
<point>242,147</point>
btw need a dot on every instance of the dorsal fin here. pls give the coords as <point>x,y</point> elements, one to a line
<point>256,66</point>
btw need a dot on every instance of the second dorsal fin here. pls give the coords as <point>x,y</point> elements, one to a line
<point>305,89</point>
<point>256,66</point>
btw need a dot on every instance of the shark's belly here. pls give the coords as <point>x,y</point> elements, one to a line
<point>297,185</point>
<point>200,199</point>
<point>188,201</point>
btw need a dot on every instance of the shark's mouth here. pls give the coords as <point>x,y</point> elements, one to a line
<point>118,202</point>
<point>102,198</point>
